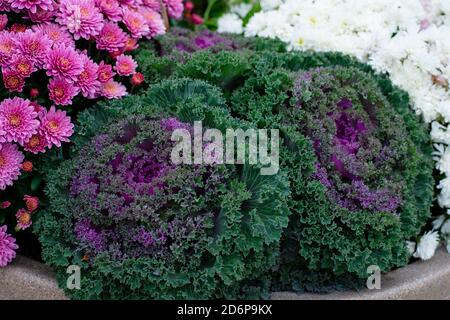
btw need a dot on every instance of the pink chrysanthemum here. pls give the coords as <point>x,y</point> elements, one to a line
<point>55,127</point>
<point>56,35</point>
<point>7,247</point>
<point>3,21</point>
<point>113,90</point>
<point>135,23</point>
<point>87,79</point>
<point>34,45</point>
<point>64,62</point>
<point>32,5</point>
<point>36,144</point>
<point>31,203</point>
<point>130,45</point>
<point>41,16</point>
<point>6,48</point>
<point>23,219</point>
<point>10,164</point>
<point>12,80</point>
<point>110,8</point>
<point>80,17</point>
<point>125,65</point>
<point>22,65</point>
<point>111,38</point>
<point>61,92</point>
<point>152,4</point>
<point>5,5</point>
<point>105,72</point>
<point>154,22</point>
<point>17,120</point>
<point>175,8</point>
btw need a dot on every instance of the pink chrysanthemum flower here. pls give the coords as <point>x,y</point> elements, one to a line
<point>56,35</point>
<point>23,219</point>
<point>130,45</point>
<point>87,79</point>
<point>34,45</point>
<point>12,80</point>
<point>3,21</point>
<point>55,127</point>
<point>10,164</point>
<point>64,62</point>
<point>135,23</point>
<point>125,65</point>
<point>6,48</point>
<point>152,4</point>
<point>41,16</point>
<point>110,8</point>
<point>105,72</point>
<point>17,120</point>
<point>36,144</point>
<point>111,38</point>
<point>32,5</point>
<point>7,247</point>
<point>80,17</point>
<point>175,8</point>
<point>22,65</point>
<point>113,90</point>
<point>154,22</point>
<point>31,203</point>
<point>5,5</point>
<point>61,92</point>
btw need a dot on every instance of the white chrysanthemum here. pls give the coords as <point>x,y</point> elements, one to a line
<point>411,247</point>
<point>437,223</point>
<point>442,157</point>
<point>445,229</point>
<point>427,245</point>
<point>439,133</point>
<point>230,23</point>
<point>242,9</point>
<point>270,4</point>
<point>444,196</point>
<point>448,245</point>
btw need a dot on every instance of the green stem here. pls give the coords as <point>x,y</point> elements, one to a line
<point>211,3</point>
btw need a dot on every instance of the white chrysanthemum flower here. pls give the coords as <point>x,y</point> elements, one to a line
<point>440,133</point>
<point>411,247</point>
<point>445,229</point>
<point>437,223</point>
<point>427,245</point>
<point>270,4</point>
<point>442,158</point>
<point>230,23</point>
<point>242,9</point>
<point>448,245</point>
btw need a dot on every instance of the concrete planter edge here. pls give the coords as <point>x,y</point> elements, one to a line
<point>30,280</point>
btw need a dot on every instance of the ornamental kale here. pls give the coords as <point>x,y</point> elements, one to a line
<point>142,227</point>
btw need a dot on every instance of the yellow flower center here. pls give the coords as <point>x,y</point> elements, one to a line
<point>301,41</point>
<point>53,125</point>
<point>64,62</point>
<point>34,141</point>
<point>59,93</point>
<point>14,120</point>
<point>23,67</point>
<point>12,81</point>
<point>2,161</point>
<point>24,218</point>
